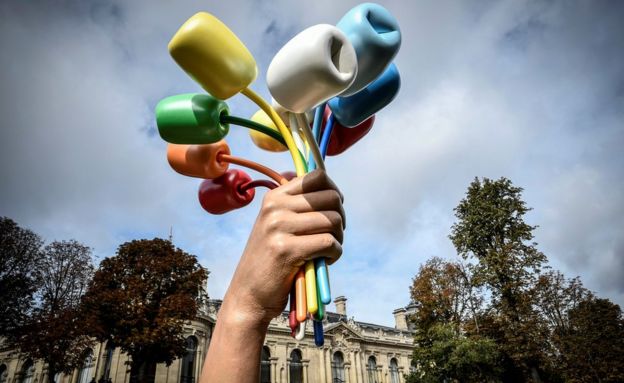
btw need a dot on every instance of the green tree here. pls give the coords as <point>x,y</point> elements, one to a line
<point>140,298</point>
<point>491,232</point>
<point>20,256</point>
<point>452,358</point>
<point>56,332</point>
<point>448,346</point>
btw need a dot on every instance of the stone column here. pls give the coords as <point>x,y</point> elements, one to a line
<point>401,372</point>
<point>354,361</point>
<point>321,358</point>
<point>347,368</point>
<point>361,367</point>
<point>274,369</point>
<point>305,371</point>
<point>379,374</point>
<point>199,360</point>
<point>328,361</point>
<point>288,370</point>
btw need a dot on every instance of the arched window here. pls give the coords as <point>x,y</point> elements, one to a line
<point>265,365</point>
<point>28,372</point>
<point>394,371</point>
<point>108,360</point>
<point>371,369</point>
<point>296,367</point>
<point>188,362</point>
<point>86,371</point>
<point>4,373</point>
<point>338,372</point>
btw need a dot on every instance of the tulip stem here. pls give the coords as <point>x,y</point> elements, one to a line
<point>317,158</point>
<point>257,183</point>
<point>229,119</point>
<point>300,166</point>
<point>222,157</point>
<point>329,126</point>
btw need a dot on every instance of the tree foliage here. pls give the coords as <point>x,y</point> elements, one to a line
<point>443,292</point>
<point>56,331</point>
<point>140,298</point>
<point>449,357</point>
<point>592,347</point>
<point>491,232</point>
<point>20,257</point>
<point>501,313</point>
<point>490,229</point>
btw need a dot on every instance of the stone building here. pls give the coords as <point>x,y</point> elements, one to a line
<point>354,352</point>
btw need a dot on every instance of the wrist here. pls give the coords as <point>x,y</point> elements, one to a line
<point>242,314</point>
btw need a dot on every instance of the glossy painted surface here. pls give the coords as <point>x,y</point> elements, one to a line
<point>315,65</point>
<point>322,282</point>
<point>292,314</point>
<point>319,339</point>
<point>262,140</point>
<point>198,160</point>
<point>343,138</point>
<point>376,38</point>
<point>212,55</point>
<point>191,118</point>
<point>310,282</point>
<point>285,113</point>
<point>300,295</point>
<point>353,110</point>
<point>222,194</point>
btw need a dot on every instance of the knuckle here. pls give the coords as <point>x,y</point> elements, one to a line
<point>273,222</point>
<point>268,202</point>
<point>277,245</point>
<point>336,220</point>
<point>334,252</point>
<point>327,242</point>
<point>335,197</point>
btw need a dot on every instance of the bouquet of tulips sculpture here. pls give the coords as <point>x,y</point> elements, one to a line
<point>327,83</point>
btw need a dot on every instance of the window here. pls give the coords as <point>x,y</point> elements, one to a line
<point>394,371</point>
<point>86,371</point>
<point>28,372</point>
<point>187,374</point>
<point>265,365</point>
<point>296,367</point>
<point>371,369</point>
<point>4,373</point>
<point>338,372</point>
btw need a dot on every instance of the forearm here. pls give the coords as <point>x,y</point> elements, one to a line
<point>235,347</point>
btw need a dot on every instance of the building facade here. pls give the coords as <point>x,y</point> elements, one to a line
<point>354,352</point>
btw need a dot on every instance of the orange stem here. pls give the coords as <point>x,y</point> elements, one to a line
<point>222,157</point>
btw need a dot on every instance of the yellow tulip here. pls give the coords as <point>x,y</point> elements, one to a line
<point>212,55</point>
<point>262,140</point>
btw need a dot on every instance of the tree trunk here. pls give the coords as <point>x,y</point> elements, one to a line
<point>51,373</point>
<point>535,375</point>
<point>142,371</point>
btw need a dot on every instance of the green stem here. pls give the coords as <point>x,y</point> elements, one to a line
<point>229,119</point>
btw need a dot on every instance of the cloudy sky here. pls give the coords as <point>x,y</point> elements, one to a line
<point>533,91</point>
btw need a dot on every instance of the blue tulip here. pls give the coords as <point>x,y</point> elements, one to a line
<point>351,111</point>
<point>375,35</point>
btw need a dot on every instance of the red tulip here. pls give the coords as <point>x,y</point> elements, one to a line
<point>342,138</point>
<point>223,194</point>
